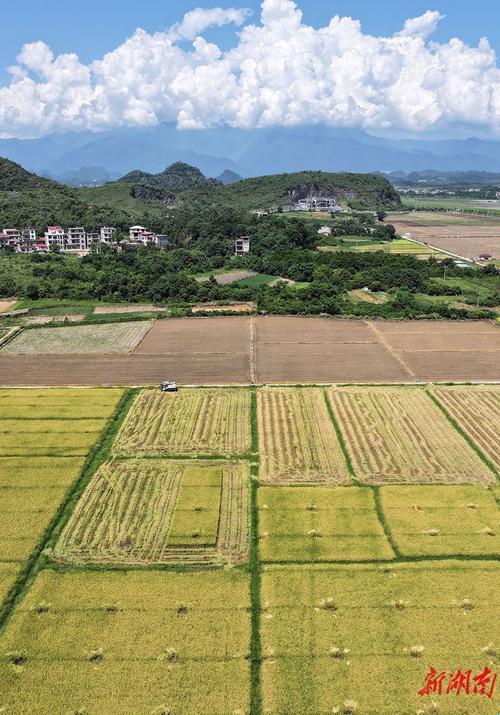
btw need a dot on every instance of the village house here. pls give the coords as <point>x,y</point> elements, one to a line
<point>242,246</point>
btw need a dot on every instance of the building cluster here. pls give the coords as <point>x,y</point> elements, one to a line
<point>76,239</point>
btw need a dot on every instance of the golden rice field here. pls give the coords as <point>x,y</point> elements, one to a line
<point>442,520</point>
<point>297,439</point>
<point>129,642</point>
<point>320,524</point>
<point>398,435</point>
<point>189,574</point>
<point>476,408</point>
<point>213,421</point>
<point>154,511</point>
<point>361,638</point>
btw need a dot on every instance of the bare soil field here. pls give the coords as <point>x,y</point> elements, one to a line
<point>238,350</point>
<point>462,234</point>
<point>307,331</point>
<point>198,335</point>
<point>344,362</point>
<point>227,278</point>
<point>186,368</point>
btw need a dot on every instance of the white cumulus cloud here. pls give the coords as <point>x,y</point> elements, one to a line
<point>201,19</point>
<point>281,71</point>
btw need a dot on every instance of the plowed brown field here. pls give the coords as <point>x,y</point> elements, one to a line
<point>228,350</point>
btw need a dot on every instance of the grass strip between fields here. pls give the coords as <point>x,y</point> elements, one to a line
<point>255,598</point>
<point>96,456</point>
<point>381,517</point>
<point>464,434</point>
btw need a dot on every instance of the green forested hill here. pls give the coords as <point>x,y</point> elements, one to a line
<point>357,191</point>
<point>176,177</point>
<point>27,200</point>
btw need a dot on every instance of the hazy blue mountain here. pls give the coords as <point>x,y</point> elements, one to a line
<point>248,152</point>
<point>229,177</point>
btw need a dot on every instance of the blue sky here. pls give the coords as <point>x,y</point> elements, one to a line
<point>92,27</point>
<point>288,66</point>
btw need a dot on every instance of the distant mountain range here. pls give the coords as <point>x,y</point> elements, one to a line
<point>89,158</point>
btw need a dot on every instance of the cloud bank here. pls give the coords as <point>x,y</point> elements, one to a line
<point>281,72</point>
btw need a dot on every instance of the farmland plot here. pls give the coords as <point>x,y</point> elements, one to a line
<point>109,338</point>
<point>297,439</point>
<point>194,421</point>
<point>130,642</point>
<point>43,443</point>
<point>398,435</point>
<point>320,524</point>
<point>368,634</point>
<point>160,511</point>
<point>477,411</point>
<point>442,520</point>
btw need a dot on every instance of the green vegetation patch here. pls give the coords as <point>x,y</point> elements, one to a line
<point>442,520</point>
<point>114,338</point>
<point>320,524</point>
<point>134,641</point>
<point>8,573</point>
<point>361,638</point>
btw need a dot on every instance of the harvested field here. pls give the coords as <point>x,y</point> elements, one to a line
<point>398,435</point>
<point>198,335</point>
<point>194,421</point>
<point>109,338</point>
<point>477,411</point>
<point>160,511</point>
<point>461,234</point>
<point>134,308</point>
<point>44,319</point>
<point>297,439</point>
<point>213,308</point>
<point>442,521</point>
<point>228,277</point>
<point>346,633</point>
<point>130,642</point>
<point>7,305</point>
<point>311,331</point>
<point>320,524</point>
<point>426,328</point>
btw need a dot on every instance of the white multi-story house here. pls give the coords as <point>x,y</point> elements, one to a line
<point>12,233</point>
<point>108,234</point>
<point>29,235</point>
<point>54,237</point>
<point>242,245</point>
<point>76,239</point>
<point>136,233</point>
<point>92,239</point>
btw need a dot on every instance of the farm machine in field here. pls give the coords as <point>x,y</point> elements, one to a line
<point>168,386</point>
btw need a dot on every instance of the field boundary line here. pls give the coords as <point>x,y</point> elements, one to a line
<point>383,522</point>
<point>255,599</point>
<point>340,438</point>
<point>382,340</point>
<point>463,433</point>
<point>253,372</point>
<point>151,326</point>
<point>95,457</point>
